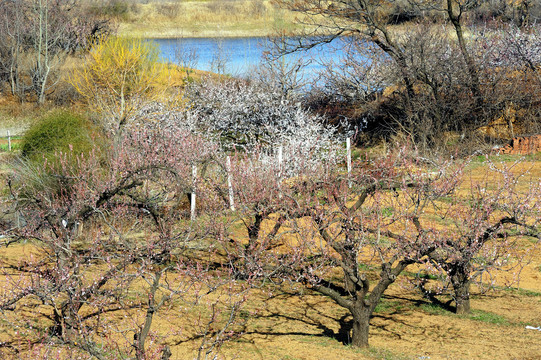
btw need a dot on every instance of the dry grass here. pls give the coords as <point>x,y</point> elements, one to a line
<point>211,18</point>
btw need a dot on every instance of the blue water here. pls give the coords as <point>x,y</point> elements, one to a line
<point>242,55</point>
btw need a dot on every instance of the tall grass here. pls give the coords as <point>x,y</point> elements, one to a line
<point>203,18</point>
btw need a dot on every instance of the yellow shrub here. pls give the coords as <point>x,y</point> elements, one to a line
<point>121,75</point>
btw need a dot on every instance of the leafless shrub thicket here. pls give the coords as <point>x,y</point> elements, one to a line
<point>437,86</point>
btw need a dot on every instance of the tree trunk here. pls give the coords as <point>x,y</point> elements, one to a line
<point>361,325</point>
<point>461,288</point>
<point>462,299</point>
<point>349,285</point>
<point>470,64</point>
<point>141,336</point>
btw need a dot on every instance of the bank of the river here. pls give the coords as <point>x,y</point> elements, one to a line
<point>205,18</point>
<point>157,19</point>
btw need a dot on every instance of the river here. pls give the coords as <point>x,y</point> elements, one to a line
<point>240,56</point>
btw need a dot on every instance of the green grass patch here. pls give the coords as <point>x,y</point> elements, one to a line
<point>357,154</point>
<point>481,159</point>
<point>476,315</point>
<point>420,275</point>
<point>15,145</point>
<point>447,199</point>
<point>386,306</point>
<point>434,309</point>
<point>367,267</point>
<point>447,221</point>
<point>487,317</point>
<point>523,292</point>
<point>388,211</point>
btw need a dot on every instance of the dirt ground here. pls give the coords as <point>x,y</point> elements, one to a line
<point>406,327</point>
<point>295,325</point>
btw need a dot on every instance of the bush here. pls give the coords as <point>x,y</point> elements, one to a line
<point>58,132</point>
<point>119,78</point>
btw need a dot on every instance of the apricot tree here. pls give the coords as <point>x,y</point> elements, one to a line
<point>305,228</point>
<point>111,244</point>
<point>302,229</point>
<point>484,228</point>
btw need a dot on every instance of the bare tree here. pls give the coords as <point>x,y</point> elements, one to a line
<point>186,56</point>
<point>220,57</point>
<point>12,44</point>
<point>287,74</point>
<point>327,21</point>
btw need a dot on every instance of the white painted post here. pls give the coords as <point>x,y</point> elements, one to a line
<point>280,161</point>
<point>348,151</point>
<point>230,184</point>
<point>9,141</point>
<point>192,203</point>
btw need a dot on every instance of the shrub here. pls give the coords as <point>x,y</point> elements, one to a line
<point>58,132</point>
<point>120,76</point>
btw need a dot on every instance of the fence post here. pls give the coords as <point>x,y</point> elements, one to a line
<point>230,184</point>
<point>280,161</point>
<point>348,151</point>
<point>9,141</point>
<point>192,202</point>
